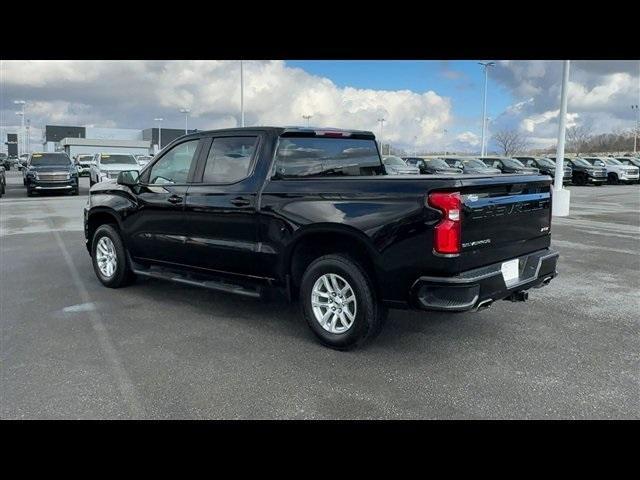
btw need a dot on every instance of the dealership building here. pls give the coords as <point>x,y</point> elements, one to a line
<point>80,140</point>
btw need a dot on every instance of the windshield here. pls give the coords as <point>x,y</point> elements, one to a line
<point>612,161</point>
<point>475,163</point>
<point>45,159</point>
<point>438,163</point>
<point>513,163</point>
<point>545,162</point>
<point>117,159</point>
<point>581,161</point>
<point>394,161</point>
<point>85,158</point>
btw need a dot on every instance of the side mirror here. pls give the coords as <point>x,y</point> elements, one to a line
<point>128,178</point>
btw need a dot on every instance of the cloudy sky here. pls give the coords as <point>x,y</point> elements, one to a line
<point>426,104</point>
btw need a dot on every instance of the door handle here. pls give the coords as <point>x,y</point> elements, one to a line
<point>174,199</point>
<point>240,202</point>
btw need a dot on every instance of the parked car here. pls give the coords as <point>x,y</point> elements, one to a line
<point>471,166</point>
<point>546,166</point>
<point>143,159</point>
<point>630,162</point>
<point>508,165</point>
<point>21,161</point>
<point>3,181</point>
<point>616,171</point>
<point>396,166</point>
<point>107,166</point>
<point>431,165</point>
<point>307,213</point>
<point>47,171</point>
<point>84,163</point>
<point>4,160</point>
<point>584,173</point>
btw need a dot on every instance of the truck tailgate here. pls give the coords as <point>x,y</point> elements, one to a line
<point>504,217</point>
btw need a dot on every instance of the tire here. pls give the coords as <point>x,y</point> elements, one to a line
<point>29,191</point>
<point>91,182</point>
<point>76,191</point>
<point>122,274</point>
<point>581,180</point>
<point>613,179</point>
<point>369,316</point>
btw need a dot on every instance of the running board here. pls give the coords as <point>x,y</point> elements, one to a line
<point>193,280</point>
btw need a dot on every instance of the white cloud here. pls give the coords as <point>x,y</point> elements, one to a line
<point>468,138</point>
<point>132,93</point>
<point>599,96</point>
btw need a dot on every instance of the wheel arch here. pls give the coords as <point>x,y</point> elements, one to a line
<point>322,239</point>
<point>100,216</point>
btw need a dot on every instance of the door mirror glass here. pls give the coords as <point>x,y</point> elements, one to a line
<point>128,178</point>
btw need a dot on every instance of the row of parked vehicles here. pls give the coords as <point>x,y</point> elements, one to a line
<point>51,171</point>
<point>577,170</point>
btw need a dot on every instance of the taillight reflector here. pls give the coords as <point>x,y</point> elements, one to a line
<point>447,233</point>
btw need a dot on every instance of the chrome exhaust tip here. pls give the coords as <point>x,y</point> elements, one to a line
<point>483,305</point>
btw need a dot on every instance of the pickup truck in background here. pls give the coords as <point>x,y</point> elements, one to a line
<point>312,214</point>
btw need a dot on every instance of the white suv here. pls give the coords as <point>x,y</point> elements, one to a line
<point>616,171</point>
<point>107,166</point>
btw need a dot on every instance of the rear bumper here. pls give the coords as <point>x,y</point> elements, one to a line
<point>474,289</point>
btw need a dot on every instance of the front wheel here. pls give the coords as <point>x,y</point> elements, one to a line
<point>339,302</point>
<point>613,179</point>
<point>109,258</point>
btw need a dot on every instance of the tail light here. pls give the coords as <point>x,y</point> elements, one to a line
<point>447,233</point>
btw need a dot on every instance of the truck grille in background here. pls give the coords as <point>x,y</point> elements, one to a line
<point>52,177</point>
<point>599,173</point>
<point>634,172</point>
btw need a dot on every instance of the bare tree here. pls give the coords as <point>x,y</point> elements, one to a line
<point>510,142</point>
<point>578,138</point>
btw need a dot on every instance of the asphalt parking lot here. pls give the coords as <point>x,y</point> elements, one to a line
<point>71,348</point>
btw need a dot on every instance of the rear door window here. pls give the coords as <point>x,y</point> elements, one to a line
<point>229,159</point>
<point>302,157</point>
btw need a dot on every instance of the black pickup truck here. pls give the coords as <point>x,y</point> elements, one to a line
<point>310,213</point>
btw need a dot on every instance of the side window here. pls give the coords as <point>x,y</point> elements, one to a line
<point>229,159</point>
<point>497,164</point>
<point>174,166</point>
<point>599,163</point>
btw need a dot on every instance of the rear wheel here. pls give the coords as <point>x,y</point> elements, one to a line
<point>109,258</point>
<point>339,302</point>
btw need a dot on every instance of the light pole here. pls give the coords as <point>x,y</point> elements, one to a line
<point>22,103</point>
<point>28,139</point>
<point>445,131</point>
<point>561,196</point>
<point>241,94</point>
<point>381,122</point>
<point>159,120</point>
<point>21,134</point>
<point>635,136</point>
<point>307,118</point>
<point>186,117</point>
<point>485,66</point>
